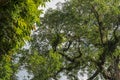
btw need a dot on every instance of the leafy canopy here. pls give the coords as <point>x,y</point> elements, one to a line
<point>86,36</point>
<point>16,22</point>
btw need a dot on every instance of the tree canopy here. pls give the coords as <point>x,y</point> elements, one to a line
<point>16,22</point>
<point>80,37</point>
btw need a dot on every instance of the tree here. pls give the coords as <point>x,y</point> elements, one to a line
<point>16,21</point>
<point>84,34</point>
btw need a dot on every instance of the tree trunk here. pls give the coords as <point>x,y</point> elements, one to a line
<point>117,70</point>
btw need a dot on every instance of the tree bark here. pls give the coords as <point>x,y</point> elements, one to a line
<point>117,70</point>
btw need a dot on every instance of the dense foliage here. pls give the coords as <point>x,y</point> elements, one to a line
<point>80,37</point>
<point>16,22</point>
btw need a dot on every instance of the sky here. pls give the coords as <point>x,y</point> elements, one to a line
<point>51,4</point>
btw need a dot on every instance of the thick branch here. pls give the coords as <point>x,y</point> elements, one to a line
<point>69,68</point>
<point>94,75</point>
<point>100,24</point>
<point>67,57</point>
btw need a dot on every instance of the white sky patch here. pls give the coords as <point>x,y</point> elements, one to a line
<point>23,75</point>
<point>51,4</point>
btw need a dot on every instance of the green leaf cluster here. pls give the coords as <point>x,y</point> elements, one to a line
<point>17,18</point>
<point>79,37</point>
